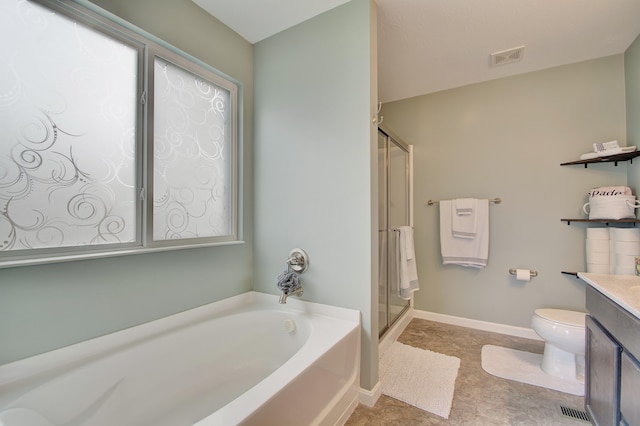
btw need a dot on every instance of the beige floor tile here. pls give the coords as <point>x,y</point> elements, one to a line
<point>480,398</point>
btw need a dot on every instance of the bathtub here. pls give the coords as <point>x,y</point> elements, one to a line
<point>244,360</point>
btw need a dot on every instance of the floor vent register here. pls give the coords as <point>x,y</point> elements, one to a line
<point>574,414</point>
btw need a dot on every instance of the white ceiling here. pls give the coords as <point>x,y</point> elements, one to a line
<point>425,46</point>
<point>256,20</point>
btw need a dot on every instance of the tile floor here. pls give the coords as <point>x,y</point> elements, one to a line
<point>479,398</point>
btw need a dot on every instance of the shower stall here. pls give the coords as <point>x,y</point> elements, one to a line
<point>395,207</point>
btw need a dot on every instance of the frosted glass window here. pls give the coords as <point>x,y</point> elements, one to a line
<point>101,155</point>
<point>67,132</point>
<point>191,156</point>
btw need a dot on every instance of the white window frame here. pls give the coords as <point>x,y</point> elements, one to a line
<point>171,57</point>
<point>148,48</point>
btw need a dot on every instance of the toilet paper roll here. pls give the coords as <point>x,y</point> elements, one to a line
<point>598,258</point>
<point>600,269</point>
<point>601,246</point>
<point>627,247</point>
<point>625,270</point>
<point>625,234</point>
<point>523,274</point>
<point>598,233</point>
<point>626,260</point>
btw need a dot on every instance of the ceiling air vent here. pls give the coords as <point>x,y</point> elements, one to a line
<point>507,56</point>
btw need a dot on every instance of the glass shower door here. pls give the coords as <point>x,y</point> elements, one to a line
<point>398,205</point>
<point>393,211</point>
<point>383,237</point>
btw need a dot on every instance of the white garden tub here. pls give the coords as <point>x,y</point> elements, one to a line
<point>244,360</point>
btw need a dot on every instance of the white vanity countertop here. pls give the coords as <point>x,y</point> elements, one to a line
<point>622,289</point>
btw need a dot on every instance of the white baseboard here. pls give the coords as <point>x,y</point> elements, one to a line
<point>509,330</point>
<point>370,397</point>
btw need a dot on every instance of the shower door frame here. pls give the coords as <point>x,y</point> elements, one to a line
<point>386,232</point>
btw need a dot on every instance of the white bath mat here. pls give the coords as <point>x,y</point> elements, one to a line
<point>524,367</point>
<point>419,377</point>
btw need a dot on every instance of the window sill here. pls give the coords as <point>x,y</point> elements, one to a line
<point>106,254</point>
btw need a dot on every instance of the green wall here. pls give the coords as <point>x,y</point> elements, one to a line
<point>313,174</point>
<point>632,85</point>
<point>50,306</point>
<point>506,138</point>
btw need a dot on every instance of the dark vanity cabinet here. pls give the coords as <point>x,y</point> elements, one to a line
<point>602,366</point>
<point>612,371</point>
<point>630,389</point>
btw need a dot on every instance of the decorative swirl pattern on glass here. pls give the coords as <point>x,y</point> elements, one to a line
<point>191,138</point>
<point>67,145</point>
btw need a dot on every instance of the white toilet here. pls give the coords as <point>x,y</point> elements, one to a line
<point>564,335</point>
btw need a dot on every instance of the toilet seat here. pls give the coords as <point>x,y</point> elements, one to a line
<point>562,316</point>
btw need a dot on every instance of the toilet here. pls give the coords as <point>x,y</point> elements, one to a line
<point>564,335</point>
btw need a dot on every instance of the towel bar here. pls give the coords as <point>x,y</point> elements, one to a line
<point>397,230</point>
<point>494,201</point>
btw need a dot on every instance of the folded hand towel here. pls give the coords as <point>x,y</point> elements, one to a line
<point>465,251</point>
<point>605,146</point>
<point>465,206</point>
<point>407,270</point>
<point>464,226</point>
<point>608,152</point>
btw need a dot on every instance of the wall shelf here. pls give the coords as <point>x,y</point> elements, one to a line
<point>605,221</point>
<point>629,156</point>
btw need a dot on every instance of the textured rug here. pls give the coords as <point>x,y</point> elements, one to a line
<point>524,367</point>
<point>419,377</point>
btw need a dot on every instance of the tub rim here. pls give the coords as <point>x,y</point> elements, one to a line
<point>85,351</point>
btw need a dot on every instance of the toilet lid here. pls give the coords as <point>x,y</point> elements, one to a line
<point>562,316</point>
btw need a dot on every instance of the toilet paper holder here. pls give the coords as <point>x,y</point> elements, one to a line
<point>514,271</point>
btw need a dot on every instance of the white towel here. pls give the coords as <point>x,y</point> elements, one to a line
<point>464,218</point>
<point>465,206</point>
<point>465,251</point>
<point>408,241</point>
<point>407,271</point>
<point>608,152</point>
<point>605,146</point>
